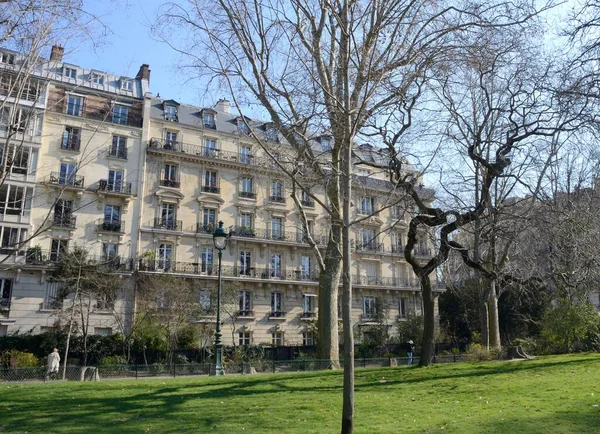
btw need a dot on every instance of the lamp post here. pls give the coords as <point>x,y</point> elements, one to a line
<point>220,242</point>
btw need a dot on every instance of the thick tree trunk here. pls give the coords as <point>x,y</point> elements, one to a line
<point>494,320</point>
<point>484,320</point>
<point>428,321</point>
<point>329,280</point>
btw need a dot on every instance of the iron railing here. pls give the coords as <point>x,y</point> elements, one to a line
<point>169,183</point>
<point>111,226</point>
<point>107,186</point>
<point>61,179</point>
<point>167,224</point>
<point>64,220</point>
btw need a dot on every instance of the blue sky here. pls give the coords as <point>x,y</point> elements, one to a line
<point>129,44</point>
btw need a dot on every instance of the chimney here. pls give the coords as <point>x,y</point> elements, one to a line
<point>56,53</point>
<point>143,73</point>
<point>222,106</point>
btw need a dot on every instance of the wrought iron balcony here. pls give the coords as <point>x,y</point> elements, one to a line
<point>169,183</point>
<point>167,224</point>
<point>71,143</point>
<point>248,194</point>
<point>308,315</point>
<point>211,189</point>
<point>64,220</point>
<point>397,248</point>
<point>61,179</point>
<point>394,282</point>
<point>245,313</point>
<point>277,198</point>
<point>276,314</point>
<point>119,188</point>
<point>371,246</point>
<point>111,226</point>
<point>308,202</point>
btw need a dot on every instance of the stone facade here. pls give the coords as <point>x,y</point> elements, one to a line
<point>145,180</point>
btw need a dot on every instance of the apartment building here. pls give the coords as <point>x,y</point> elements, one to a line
<point>144,181</point>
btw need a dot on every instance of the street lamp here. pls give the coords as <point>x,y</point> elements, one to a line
<point>220,242</point>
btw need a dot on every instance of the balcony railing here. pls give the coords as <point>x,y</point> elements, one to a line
<point>277,198</point>
<point>245,313</point>
<point>71,143</point>
<point>169,183</point>
<point>61,179</point>
<point>261,234</point>
<point>276,314</point>
<point>204,152</point>
<point>111,226</point>
<point>308,202</point>
<point>64,220</point>
<point>371,246</point>
<point>394,282</point>
<point>211,189</point>
<point>205,228</point>
<point>107,186</point>
<point>167,224</point>
<point>47,257</point>
<point>398,248</point>
<point>248,194</point>
<point>307,315</point>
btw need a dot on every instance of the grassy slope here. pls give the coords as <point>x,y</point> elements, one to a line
<point>557,394</point>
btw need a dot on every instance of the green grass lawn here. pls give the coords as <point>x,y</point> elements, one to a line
<point>559,394</point>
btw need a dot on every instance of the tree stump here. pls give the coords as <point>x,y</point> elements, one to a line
<point>516,352</point>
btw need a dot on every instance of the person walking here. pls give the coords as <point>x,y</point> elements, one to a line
<point>409,352</point>
<point>53,364</point>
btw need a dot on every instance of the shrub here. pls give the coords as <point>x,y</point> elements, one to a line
<point>19,359</point>
<point>476,352</point>
<point>570,326</point>
<point>114,360</point>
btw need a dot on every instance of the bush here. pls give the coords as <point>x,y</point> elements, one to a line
<point>114,360</point>
<point>476,352</point>
<point>19,359</point>
<point>570,326</point>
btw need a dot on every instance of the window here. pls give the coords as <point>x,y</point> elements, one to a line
<point>308,303</point>
<point>396,211</point>
<point>325,143</point>
<point>110,251</point>
<point>164,256</point>
<point>397,243</point>
<point>170,176</point>
<point>118,149</point>
<point>369,307</point>
<point>244,303</point>
<point>7,58</point>
<point>115,180</point>
<point>120,114</point>
<point>277,229</point>
<point>127,85</point>
<point>245,263</point>
<point>103,331</point>
<point>209,219</point>
<point>210,147</point>
<point>96,78</point>
<point>5,292</point>
<point>12,238</point>
<point>63,210</point>
<point>207,260</point>
<point>246,156</point>
<point>12,199</point>
<point>243,128</point>
<point>402,303</point>
<point>308,339</point>
<point>248,188</point>
<point>58,247</point>
<point>244,338</point>
<point>112,218</point>
<point>276,304</point>
<point>104,302</point>
<point>277,339</point>
<point>168,216</point>
<point>306,200</point>
<point>371,272</point>
<point>305,267</point>
<point>51,300</point>
<point>276,191</point>
<point>71,139</point>
<point>171,113</point>
<point>246,220</point>
<point>74,105</point>
<point>170,140</point>
<point>276,266</point>
<point>17,119</point>
<point>70,72</point>
<point>210,182</point>
<point>67,174</point>
<point>205,299</point>
<point>367,205</point>
<point>208,119</point>
<point>368,241</point>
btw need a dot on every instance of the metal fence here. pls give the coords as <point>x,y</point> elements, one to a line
<point>79,373</point>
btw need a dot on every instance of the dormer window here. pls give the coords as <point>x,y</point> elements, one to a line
<point>7,58</point>
<point>127,85</point>
<point>171,113</point>
<point>208,118</point>
<point>243,127</point>
<point>325,143</point>
<point>70,73</point>
<point>97,78</point>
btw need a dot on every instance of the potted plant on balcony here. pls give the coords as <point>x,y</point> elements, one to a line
<point>246,231</point>
<point>33,255</point>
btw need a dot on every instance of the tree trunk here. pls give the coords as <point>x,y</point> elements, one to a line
<point>327,321</point>
<point>428,320</point>
<point>494,320</point>
<point>484,320</point>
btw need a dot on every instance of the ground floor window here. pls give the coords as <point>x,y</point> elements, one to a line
<point>244,338</point>
<point>277,339</point>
